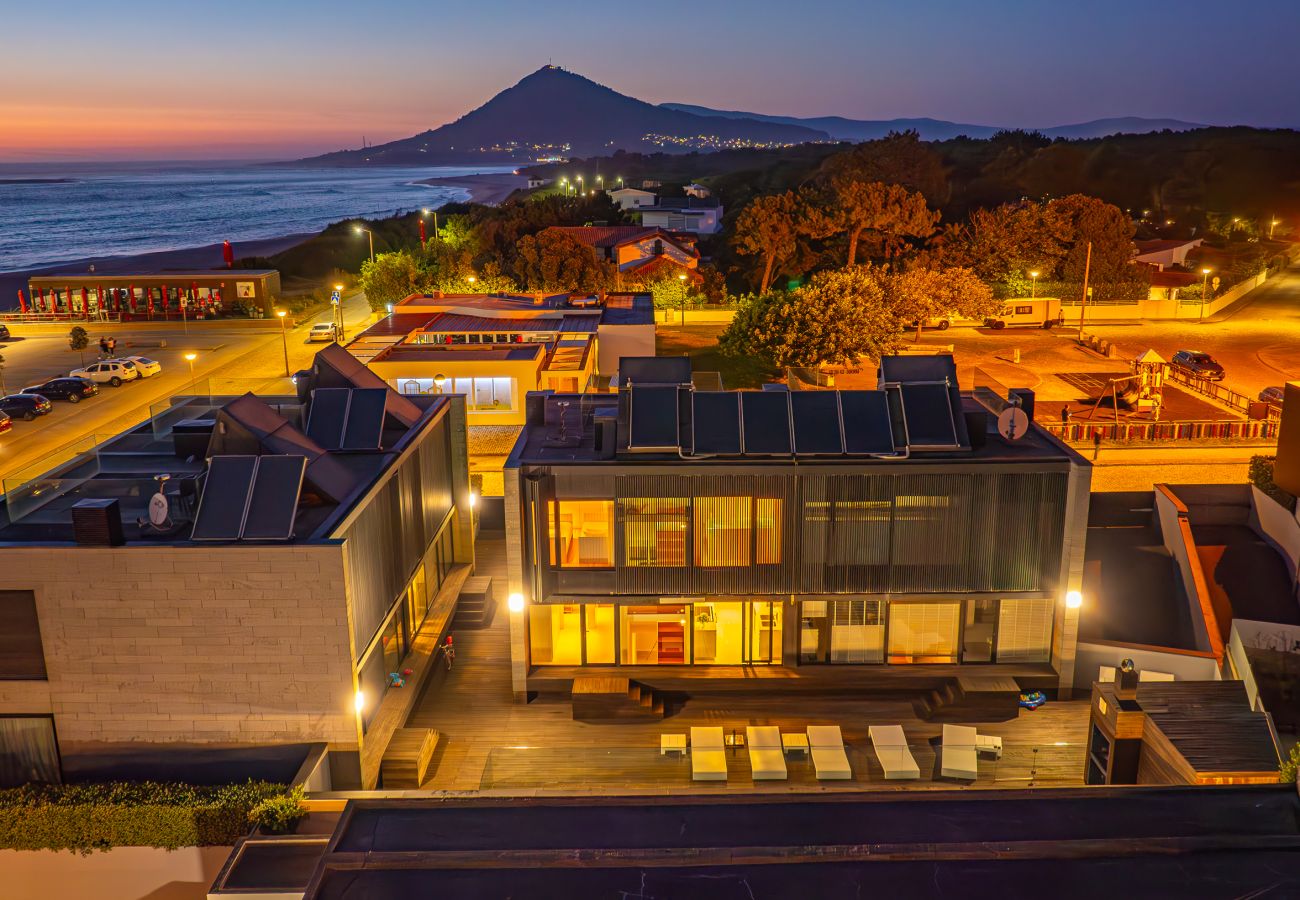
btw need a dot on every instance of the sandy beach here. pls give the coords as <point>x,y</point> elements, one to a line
<point>489,189</point>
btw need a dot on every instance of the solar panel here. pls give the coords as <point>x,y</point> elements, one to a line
<point>274,501</point>
<point>715,418</point>
<point>816,416</point>
<point>929,414</point>
<point>364,426</point>
<point>766,418</point>
<point>653,417</point>
<point>225,498</point>
<point>329,412</point>
<point>866,422</point>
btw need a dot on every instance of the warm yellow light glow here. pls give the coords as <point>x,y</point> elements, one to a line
<point>473,499</point>
<point>439,380</point>
<point>358,229</point>
<point>359,701</point>
<point>1033,274</point>
<point>338,287</point>
<point>190,357</point>
<point>281,313</point>
<point>681,277</point>
<point>1205,271</point>
<point>471,279</point>
<point>1073,600</point>
<point>515,603</point>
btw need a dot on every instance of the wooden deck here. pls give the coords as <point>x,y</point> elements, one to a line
<point>494,745</point>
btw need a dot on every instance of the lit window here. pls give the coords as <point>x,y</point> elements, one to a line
<point>582,533</point>
<point>654,531</point>
<point>722,531</point>
<point>767,527</point>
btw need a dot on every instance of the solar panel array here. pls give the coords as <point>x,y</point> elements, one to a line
<point>347,418</point>
<point>652,417</point>
<point>790,423</point>
<point>249,498</point>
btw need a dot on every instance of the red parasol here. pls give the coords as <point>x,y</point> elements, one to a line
<point>228,254</point>
<point>130,298</point>
<point>422,234</point>
<point>22,301</point>
<point>67,297</point>
<point>40,304</point>
<point>85,302</point>
<point>163,293</point>
<point>99,298</point>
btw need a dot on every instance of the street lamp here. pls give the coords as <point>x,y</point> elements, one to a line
<point>439,380</point>
<point>284,339</point>
<point>428,213</point>
<point>1033,285</point>
<point>1205,286</point>
<point>1271,225</point>
<point>189,358</point>
<point>337,302</point>
<point>682,279</point>
<point>371,234</point>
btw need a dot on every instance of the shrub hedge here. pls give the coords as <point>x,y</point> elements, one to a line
<point>100,816</point>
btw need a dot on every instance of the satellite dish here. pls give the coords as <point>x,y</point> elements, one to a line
<point>1013,423</point>
<point>159,508</point>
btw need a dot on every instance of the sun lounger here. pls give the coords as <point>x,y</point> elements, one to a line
<point>891,749</point>
<point>766,758</point>
<point>959,755</point>
<point>708,755</point>
<point>826,745</point>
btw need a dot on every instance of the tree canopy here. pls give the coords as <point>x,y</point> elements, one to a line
<point>554,261</point>
<point>390,278</point>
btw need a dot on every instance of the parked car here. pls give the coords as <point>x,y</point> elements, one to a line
<point>74,390</point>
<point>1197,364</point>
<point>6,423</point>
<point>109,372</point>
<point>1273,394</point>
<point>4,333</point>
<point>144,365</point>
<point>25,406</point>
<point>323,331</point>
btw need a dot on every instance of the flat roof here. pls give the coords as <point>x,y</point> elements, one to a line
<point>461,353</point>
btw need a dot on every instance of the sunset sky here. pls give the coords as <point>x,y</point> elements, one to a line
<point>159,79</point>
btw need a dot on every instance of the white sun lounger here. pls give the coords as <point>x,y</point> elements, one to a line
<point>826,746</point>
<point>766,757</point>
<point>891,748</point>
<point>708,755</point>
<point>960,759</point>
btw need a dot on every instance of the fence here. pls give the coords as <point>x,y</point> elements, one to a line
<point>1133,432</point>
<point>1224,395</point>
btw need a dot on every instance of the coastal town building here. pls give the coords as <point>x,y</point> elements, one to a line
<point>496,348</point>
<point>631,198</point>
<point>893,528</point>
<point>698,215</point>
<point>642,254</point>
<point>233,573</point>
<point>194,294</point>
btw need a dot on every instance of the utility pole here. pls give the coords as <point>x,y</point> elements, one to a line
<point>1083,304</point>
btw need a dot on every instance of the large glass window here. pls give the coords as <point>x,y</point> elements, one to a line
<point>28,752</point>
<point>582,533</point>
<point>555,634</point>
<point>722,531</point>
<point>1025,630</point>
<point>482,394</point>
<point>767,530</point>
<point>654,635</point>
<point>765,631</point>
<point>924,632</point>
<point>979,630</point>
<point>598,621</point>
<point>719,634</point>
<point>857,631</point>
<point>654,530</point>
<point>21,653</point>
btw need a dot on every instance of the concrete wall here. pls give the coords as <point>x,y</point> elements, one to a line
<point>1176,532</point>
<point>616,341</point>
<point>172,644</point>
<point>1259,635</point>
<point>1091,657</point>
<point>1279,526</point>
<point>124,873</point>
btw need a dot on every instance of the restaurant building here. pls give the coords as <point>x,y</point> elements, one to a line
<point>496,348</point>
<point>156,295</point>
<point>894,528</point>
<point>232,573</point>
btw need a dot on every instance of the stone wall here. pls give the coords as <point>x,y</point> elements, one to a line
<point>196,644</point>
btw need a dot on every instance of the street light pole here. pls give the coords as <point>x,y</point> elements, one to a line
<point>189,358</point>
<point>682,278</point>
<point>1205,287</point>
<point>1033,285</point>
<point>1083,304</point>
<point>284,341</point>
<point>371,235</point>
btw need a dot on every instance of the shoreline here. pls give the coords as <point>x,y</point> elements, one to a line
<point>488,189</point>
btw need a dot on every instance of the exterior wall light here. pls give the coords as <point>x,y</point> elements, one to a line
<point>1073,600</point>
<point>359,701</point>
<point>515,603</point>
<point>473,499</point>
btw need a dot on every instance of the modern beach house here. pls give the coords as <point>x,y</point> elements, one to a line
<point>232,573</point>
<point>668,532</point>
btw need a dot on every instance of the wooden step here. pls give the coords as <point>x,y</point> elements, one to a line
<point>405,763</point>
<point>606,698</point>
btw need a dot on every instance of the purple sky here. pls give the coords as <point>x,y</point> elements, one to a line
<point>159,79</point>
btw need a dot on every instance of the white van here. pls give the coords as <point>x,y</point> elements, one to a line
<point>1039,312</point>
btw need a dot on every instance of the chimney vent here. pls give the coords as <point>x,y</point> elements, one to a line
<point>97,523</point>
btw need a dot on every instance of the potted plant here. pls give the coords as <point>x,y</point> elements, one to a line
<point>280,814</point>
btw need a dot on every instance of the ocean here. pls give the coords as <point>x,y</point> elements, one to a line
<point>52,213</point>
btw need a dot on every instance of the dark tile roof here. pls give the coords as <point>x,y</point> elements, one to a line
<point>1210,724</point>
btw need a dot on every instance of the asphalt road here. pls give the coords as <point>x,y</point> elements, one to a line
<point>229,359</point>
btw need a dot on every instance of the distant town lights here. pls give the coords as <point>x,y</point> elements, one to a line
<point>1073,600</point>
<point>515,603</point>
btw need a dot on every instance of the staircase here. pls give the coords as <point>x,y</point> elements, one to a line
<point>971,698</point>
<point>602,698</point>
<point>476,604</point>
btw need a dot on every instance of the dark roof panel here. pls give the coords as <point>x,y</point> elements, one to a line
<point>816,416</point>
<point>653,417</point>
<point>364,428</point>
<point>654,370</point>
<point>225,498</point>
<point>716,422</point>
<point>866,422</point>
<point>327,415</point>
<point>274,501</point>
<point>766,417</point>
<point>930,416</point>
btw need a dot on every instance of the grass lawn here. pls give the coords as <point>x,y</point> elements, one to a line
<point>700,343</point>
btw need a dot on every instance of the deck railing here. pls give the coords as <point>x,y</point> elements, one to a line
<point>1083,431</point>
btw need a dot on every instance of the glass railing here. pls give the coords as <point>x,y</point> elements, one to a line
<point>606,769</point>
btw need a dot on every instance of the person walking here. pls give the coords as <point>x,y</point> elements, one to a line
<point>1096,444</point>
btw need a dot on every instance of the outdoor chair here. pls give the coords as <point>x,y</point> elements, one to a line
<point>826,745</point>
<point>766,757</point>
<point>708,755</point>
<point>960,759</point>
<point>890,744</point>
